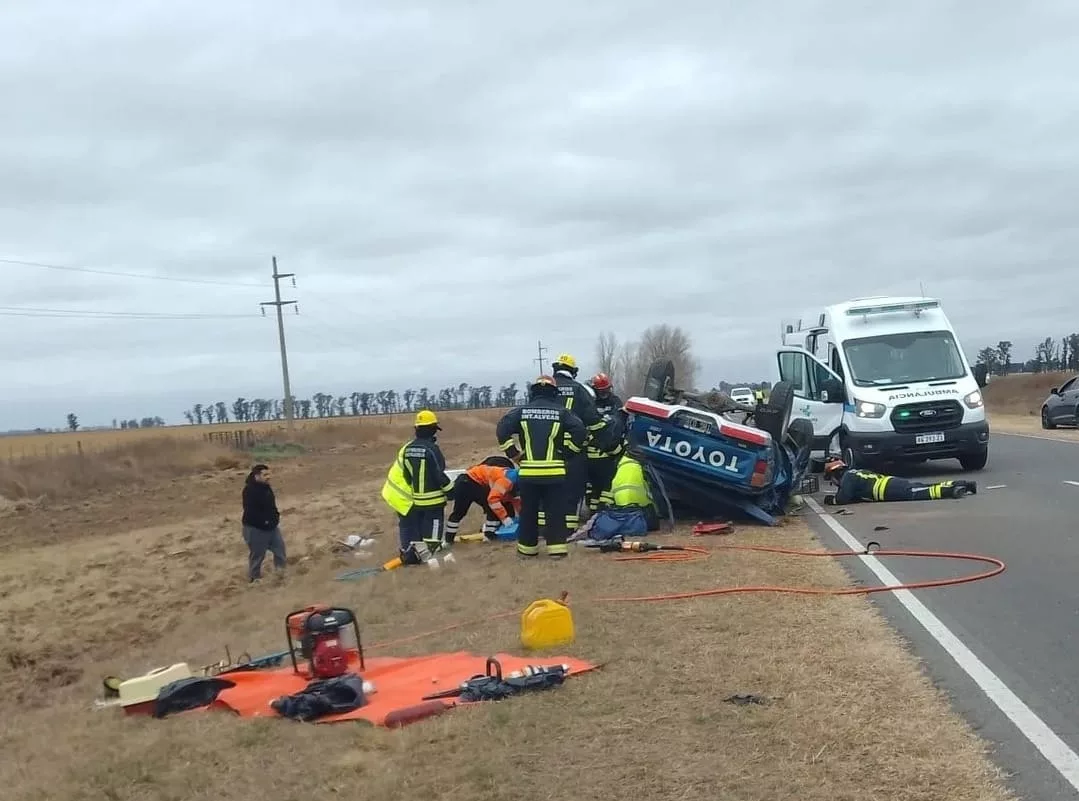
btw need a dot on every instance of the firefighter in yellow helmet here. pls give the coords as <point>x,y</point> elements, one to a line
<point>854,485</point>
<point>417,487</point>
<point>578,400</point>
<point>549,436</point>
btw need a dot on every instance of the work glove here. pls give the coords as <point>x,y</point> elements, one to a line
<point>507,531</point>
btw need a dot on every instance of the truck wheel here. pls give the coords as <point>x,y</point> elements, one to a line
<point>777,411</point>
<point>659,381</point>
<point>800,432</point>
<point>974,461</point>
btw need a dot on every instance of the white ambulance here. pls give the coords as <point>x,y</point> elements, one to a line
<point>884,380</point>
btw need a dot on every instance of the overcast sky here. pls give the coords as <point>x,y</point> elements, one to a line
<point>452,181</point>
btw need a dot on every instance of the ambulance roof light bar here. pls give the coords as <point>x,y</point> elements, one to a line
<point>915,306</point>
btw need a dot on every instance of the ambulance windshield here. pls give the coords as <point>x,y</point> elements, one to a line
<point>893,359</point>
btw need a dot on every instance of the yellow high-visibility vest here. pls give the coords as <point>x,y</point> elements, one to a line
<point>629,487</point>
<point>396,491</point>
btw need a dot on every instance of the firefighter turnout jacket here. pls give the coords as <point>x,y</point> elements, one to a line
<point>417,477</point>
<point>610,410</point>
<point>501,491</point>
<point>578,400</point>
<point>548,433</point>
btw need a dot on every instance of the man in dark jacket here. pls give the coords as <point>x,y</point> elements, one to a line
<point>261,521</point>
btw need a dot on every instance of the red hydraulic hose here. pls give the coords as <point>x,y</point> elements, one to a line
<point>693,553</point>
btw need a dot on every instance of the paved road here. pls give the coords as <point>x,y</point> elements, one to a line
<point>1024,624</point>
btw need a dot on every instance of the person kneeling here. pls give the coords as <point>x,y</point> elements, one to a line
<point>628,509</point>
<point>492,485</point>
<point>855,485</point>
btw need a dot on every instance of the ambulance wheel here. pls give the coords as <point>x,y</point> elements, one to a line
<point>846,453</point>
<point>659,381</point>
<point>974,461</point>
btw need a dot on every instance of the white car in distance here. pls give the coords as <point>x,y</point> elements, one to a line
<point>742,395</point>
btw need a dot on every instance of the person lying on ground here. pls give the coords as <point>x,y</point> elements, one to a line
<point>492,485</point>
<point>261,524</point>
<point>854,485</point>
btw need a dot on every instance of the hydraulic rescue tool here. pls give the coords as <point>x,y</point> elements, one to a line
<point>316,632</point>
<point>491,685</point>
<point>621,546</point>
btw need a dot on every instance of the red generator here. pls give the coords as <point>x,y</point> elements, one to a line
<point>316,633</point>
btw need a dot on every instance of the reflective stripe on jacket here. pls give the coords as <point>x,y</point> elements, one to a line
<point>396,491</point>
<point>630,487</point>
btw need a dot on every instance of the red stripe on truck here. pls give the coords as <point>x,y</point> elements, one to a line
<point>733,430</point>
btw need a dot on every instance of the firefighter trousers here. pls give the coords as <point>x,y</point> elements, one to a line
<point>891,488</point>
<point>421,523</point>
<point>466,493</point>
<point>600,475</point>
<point>550,498</point>
<point>575,484</point>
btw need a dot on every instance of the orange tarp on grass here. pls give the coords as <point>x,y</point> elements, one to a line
<point>400,684</point>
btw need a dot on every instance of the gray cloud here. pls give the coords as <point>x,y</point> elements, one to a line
<point>453,181</point>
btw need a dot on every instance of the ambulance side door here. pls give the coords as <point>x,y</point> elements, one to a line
<point>819,393</point>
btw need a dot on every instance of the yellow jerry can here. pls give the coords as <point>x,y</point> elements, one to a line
<point>547,623</point>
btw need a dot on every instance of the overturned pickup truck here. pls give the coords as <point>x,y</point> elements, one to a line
<point>715,457</point>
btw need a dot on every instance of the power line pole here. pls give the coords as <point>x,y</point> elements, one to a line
<point>278,303</point>
<point>541,355</point>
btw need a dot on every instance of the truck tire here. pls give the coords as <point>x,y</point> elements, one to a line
<point>775,416</point>
<point>659,380</point>
<point>800,432</point>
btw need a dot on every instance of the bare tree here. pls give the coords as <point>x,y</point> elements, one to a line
<point>658,342</point>
<point>607,353</point>
<point>670,342</point>
<point>628,375</point>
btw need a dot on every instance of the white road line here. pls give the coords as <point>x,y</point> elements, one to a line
<point>1054,749</point>
<point>1073,483</point>
<point>997,486</point>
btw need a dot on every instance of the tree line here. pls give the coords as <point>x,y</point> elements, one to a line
<point>626,363</point>
<point>1050,355</point>
<point>355,404</point>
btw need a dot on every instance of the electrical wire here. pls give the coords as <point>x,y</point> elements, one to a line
<point>693,553</point>
<point>89,314</point>
<point>123,274</point>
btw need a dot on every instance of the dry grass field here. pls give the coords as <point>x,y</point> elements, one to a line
<point>115,577</point>
<point>1014,404</point>
<point>62,443</point>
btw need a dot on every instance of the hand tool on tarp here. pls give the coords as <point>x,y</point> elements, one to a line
<point>491,685</point>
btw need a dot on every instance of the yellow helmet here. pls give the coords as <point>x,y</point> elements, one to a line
<point>425,417</point>
<point>565,362</point>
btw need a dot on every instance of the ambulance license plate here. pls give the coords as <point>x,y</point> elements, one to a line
<point>929,439</point>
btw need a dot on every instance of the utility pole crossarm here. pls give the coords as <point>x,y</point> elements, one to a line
<point>279,304</point>
<point>541,353</point>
